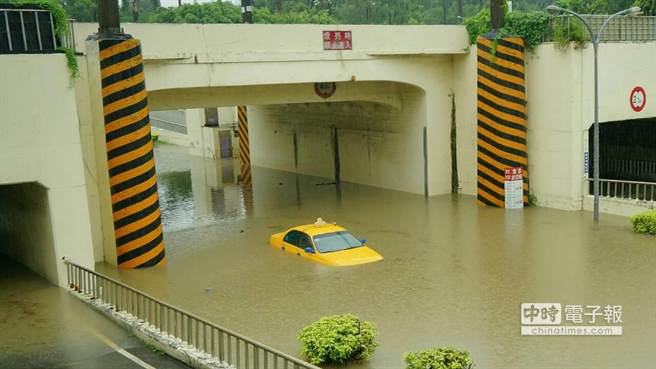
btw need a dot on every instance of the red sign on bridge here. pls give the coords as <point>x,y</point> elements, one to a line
<point>337,40</point>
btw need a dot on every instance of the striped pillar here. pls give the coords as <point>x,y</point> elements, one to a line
<point>244,146</point>
<point>132,179</point>
<point>501,116</point>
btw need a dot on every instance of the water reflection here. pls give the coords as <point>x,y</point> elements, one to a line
<point>205,193</point>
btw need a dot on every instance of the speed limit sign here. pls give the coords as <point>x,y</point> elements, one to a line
<point>638,99</point>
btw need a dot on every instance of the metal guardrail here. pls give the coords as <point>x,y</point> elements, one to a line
<point>169,125</point>
<point>219,342</point>
<point>69,39</point>
<point>642,28</point>
<point>628,190</point>
<point>31,31</point>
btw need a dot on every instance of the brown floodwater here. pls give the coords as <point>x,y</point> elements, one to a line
<point>454,273</point>
<point>43,326</point>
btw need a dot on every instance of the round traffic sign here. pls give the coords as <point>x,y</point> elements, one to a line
<point>325,89</point>
<point>638,99</point>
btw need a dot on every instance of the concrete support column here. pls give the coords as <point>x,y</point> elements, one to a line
<point>127,177</point>
<point>244,146</point>
<point>501,117</point>
<point>203,141</point>
<point>206,178</point>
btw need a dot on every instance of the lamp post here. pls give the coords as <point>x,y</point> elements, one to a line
<point>595,38</point>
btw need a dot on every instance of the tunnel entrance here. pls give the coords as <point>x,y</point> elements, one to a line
<point>359,142</point>
<point>26,229</point>
<point>627,158</point>
<point>368,133</point>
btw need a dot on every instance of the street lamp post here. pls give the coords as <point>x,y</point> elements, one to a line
<point>595,38</point>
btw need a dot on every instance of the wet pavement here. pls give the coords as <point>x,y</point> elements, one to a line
<point>42,326</point>
<point>454,273</point>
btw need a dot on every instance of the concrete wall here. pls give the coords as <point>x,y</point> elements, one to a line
<point>559,118</point>
<point>379,145</point>
<point>202,43</point>
<point>464,95</point>
<point>40,141</point>
<point>87,141</point>
<point>26,232</point>
<point>560,112</point>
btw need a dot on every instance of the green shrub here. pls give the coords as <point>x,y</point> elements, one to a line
<point>338,339</point>
<point>572,32</point>
<point>477,25</point>
<point>645,222</point>
<point>533,27</point>
<point>438,358</point>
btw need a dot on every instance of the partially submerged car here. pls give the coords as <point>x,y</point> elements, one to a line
<point>325,243</point>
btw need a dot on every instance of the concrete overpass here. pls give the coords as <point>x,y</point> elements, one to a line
<point>394,69</point>
<point>398,82</point>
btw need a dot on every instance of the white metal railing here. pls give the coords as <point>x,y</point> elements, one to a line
<point>219,342</point>
<point>628,190</point>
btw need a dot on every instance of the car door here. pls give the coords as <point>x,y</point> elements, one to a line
<point>292,241</point>
<point>306,242</point>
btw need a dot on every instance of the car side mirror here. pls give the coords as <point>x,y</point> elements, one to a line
<point>363,242</point>
<point>309,250</point>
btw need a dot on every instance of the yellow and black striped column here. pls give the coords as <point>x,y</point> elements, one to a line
<point>244,146</point>
<point>132,179</point>
<point>501,116</point>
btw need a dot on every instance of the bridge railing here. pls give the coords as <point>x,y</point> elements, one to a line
<point>627,190</point>
<point>25,29</point>
<point>621,29</point>
<point>221,343</point>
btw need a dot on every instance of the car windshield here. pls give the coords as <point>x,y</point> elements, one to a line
<point>336,241</point>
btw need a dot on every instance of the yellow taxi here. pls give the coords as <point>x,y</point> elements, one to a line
<point>325,243</point>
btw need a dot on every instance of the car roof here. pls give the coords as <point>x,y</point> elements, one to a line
<point>314,229</point>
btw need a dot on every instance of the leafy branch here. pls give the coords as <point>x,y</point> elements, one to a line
<point>534,28</point>
<point>73,67</point>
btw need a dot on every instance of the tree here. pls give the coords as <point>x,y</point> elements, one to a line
<point>339,11</point>
<point>595,6</point>
<point>81,10</point>
<point>648,6</point>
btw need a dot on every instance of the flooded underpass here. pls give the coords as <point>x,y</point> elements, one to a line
<point>454,273</point>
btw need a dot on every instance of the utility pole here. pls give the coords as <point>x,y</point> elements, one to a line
<point>179,2</point>
<point>135,11</point>
<point>108,19</point>
<point>247,11</point>
<point>459,9</point>
<point>496,13</point>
